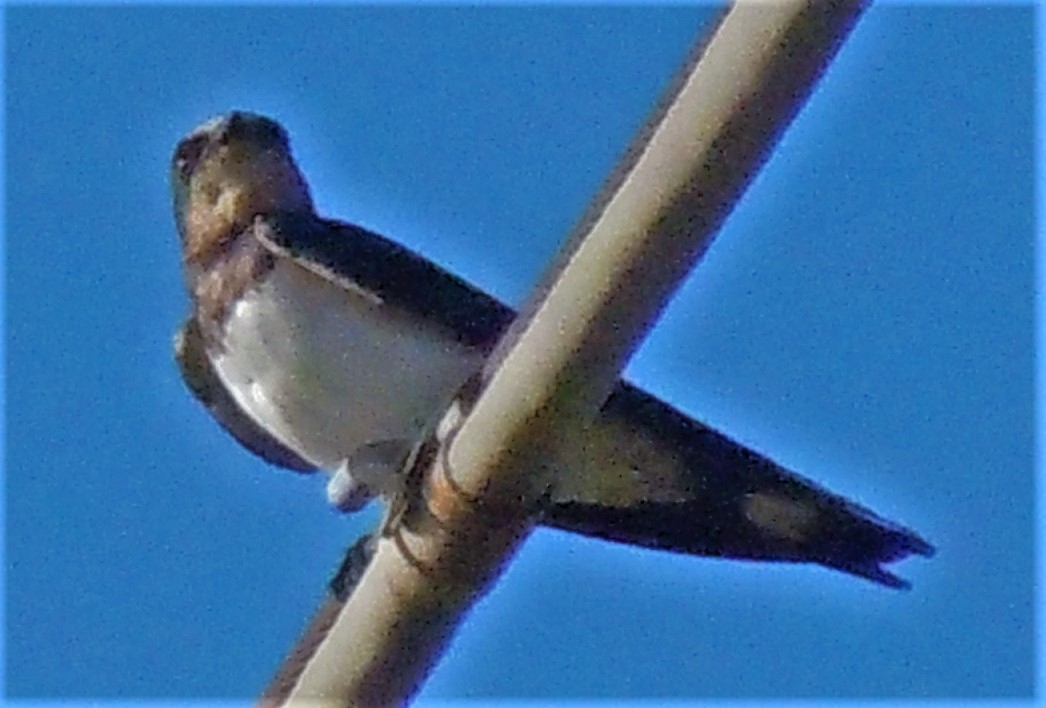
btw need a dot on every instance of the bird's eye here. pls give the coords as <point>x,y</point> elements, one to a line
<point>188,155</point>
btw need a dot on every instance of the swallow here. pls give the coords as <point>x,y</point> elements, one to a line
<point>322,346</point>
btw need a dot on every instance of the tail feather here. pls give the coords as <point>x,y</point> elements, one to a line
<point>853,541</point>
<point>698,492</point>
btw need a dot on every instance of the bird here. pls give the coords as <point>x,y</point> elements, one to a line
<point>321,346</point>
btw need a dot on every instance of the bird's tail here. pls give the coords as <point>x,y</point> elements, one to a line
<point>653,477</point>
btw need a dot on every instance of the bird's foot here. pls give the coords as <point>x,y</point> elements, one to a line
<point>372,470</point>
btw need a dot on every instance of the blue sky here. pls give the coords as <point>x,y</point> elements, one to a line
<point>865,317</point>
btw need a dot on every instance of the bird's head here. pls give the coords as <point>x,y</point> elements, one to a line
<point>224,174</point>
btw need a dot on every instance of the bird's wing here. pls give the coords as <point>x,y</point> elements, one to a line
<point>202,380</point>
<point>381,270</point>
<point>655,477</point>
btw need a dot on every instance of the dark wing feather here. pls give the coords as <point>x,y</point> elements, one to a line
<point>361,260</point>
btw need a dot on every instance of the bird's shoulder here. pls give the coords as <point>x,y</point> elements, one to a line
<point>355,258</point>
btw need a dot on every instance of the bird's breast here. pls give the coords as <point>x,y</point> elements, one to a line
<point>326,370</point>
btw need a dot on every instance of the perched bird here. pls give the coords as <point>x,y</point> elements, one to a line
<point>319,345</point>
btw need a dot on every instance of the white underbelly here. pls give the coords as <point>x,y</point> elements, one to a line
<point>327,371</point>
